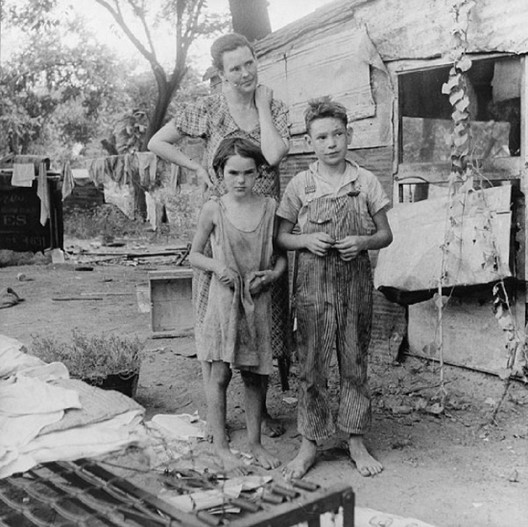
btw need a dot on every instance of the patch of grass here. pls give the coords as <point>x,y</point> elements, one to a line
<point>104,220</point>
<point>91,357</point>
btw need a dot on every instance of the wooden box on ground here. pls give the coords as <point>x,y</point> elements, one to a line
<point>171,302</point>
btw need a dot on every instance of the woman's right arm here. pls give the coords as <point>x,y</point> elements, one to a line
<point>164,144</point>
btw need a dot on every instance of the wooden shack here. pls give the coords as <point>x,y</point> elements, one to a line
<point>387,60</point>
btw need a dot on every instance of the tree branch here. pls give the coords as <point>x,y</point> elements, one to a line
<point>140,13</point>
<point>184,39</point>
<point>118,17</point>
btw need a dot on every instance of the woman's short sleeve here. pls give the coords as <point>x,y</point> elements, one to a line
<point>281,118</point>
<point>193,119</point>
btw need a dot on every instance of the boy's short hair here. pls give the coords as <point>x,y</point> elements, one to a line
<point>226,43</point>
<point>324,107</point>
<point>232,146</point>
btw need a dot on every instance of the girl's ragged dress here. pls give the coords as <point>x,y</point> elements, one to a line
<point>237,325</point>
<point>210,118</point>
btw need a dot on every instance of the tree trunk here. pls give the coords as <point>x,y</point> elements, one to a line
<point>165,92</point>
<point>250,18</point>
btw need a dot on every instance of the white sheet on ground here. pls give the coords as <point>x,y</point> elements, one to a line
<point>29,403</point>
<point>181,427</point>
<point>85,441</point>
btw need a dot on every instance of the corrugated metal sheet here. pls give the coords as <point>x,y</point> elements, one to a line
<point>415,29</point>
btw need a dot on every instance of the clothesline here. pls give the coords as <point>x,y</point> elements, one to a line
<point>143,169</point>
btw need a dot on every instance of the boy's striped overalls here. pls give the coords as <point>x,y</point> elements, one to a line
<point>334,306</point>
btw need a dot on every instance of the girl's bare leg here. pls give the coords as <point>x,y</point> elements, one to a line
<point>270,426</point>
<point>206,377</point>
<point>219,377</point>
<point>254,398</point>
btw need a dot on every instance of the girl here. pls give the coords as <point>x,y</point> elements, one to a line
<point>236,332</point>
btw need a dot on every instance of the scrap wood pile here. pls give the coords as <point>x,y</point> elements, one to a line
<point>175,255</point>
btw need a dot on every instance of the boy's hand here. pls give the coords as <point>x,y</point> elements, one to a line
<point>350,247</point>
<point>225,275</point>
<point>260,280</point>
<point>318,243</point>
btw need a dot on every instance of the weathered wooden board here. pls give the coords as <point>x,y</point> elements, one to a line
<point>471,334</point>
<point>344,65</point>
<point>414,29</point>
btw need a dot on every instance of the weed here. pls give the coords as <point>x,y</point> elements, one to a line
<point>91,357</point>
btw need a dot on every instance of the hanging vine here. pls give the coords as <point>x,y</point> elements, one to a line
<point>457,90</point>
<point>461,182</point>
<point>460,179</point>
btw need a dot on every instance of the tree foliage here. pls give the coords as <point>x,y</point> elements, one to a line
<point>55,87</point>
<point>190,22</point>
<point>63,87</point>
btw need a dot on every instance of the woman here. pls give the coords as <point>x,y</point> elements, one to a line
<point>242,109</point>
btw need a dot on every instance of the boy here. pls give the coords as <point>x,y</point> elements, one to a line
<point>339,208</point>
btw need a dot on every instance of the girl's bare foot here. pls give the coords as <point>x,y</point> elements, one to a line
<point>365,463</point>
<point>264,458</point>
<point>302,462</point>
<point>271,427</point>
<point>231,464</point>
<point>208,435</point>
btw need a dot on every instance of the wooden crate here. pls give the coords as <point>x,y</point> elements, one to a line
<point>171,302</point>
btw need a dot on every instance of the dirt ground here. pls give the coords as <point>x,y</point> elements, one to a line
<point>456,469</point>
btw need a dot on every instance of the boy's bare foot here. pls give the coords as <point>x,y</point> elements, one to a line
<point>365,463</point>
<point>264,458</point>
<point>302,462</point>
<point>231,464</point>
<point>271,427</point>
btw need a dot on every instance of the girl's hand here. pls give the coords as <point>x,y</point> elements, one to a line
<point>260,280</point>
<point>263,96</point>
<point>318,243</point>
<point>226,276</point>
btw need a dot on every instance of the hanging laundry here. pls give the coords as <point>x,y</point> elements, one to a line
<point>23,174</point>
<point>43,194</point>
<point>120,175</point>
<point>174,183</point>
<point>131,168</point>
<point>147,165</point>
<point>110,163</point>
<point>151,210</point>
<point>96,169</point>
<point>67,180</point>
<point>122,196</point>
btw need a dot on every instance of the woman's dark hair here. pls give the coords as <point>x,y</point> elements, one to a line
<point>233,146</point>
<point>226,43</point>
